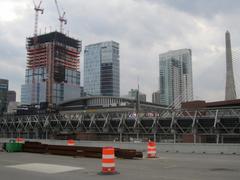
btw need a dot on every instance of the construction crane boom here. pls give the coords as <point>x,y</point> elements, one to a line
<point>37,10</point>
<point>61,18</point>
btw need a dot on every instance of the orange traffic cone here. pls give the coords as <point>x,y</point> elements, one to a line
<point>71,142</point>
<point>108,161</point>
<point>152,150</point>
<point>20,140</point>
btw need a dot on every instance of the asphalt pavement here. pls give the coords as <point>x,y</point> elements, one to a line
<point>169,166</point>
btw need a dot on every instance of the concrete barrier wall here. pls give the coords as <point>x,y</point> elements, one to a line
<point>161,147</point>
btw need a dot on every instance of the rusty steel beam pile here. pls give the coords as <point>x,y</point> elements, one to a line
<point>78,151</point>
<point>35,147</point>
<point>1,147</point>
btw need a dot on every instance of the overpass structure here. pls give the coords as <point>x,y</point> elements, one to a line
<point>120,121</point>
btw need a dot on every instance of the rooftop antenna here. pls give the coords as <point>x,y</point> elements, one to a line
<point>61,17</point>
<point>37,10</point>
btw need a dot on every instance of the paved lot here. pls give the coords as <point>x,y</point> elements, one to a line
<point>26,166</point>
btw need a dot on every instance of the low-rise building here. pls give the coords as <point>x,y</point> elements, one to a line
<point>156,97</point>
<point>132,94</point>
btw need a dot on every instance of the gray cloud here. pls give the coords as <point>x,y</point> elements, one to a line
<point>207,8</point>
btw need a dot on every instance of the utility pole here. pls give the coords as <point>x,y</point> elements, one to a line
<point>137,111</point>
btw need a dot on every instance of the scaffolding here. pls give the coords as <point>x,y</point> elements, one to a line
<point>55,52</point>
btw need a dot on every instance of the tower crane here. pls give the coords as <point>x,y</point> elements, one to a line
<point>37,10</point>
<point>61,18</point>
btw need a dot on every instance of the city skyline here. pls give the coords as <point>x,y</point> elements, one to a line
<point>144,29</point>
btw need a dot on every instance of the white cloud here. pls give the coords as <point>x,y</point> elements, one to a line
<point>11,10</point>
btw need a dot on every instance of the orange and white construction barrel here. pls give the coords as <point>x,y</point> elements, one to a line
<point>71,142</point>
<point>108,160</point>
<point>152,150</point>
<point>20,140</point>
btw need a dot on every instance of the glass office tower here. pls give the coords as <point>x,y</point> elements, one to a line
<point>101,69</point>
<point>175,77</point>
<point>3,95</point>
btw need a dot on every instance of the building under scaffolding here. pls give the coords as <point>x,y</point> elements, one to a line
<point>52,72</point>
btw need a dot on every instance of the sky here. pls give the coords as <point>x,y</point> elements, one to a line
<point>144,29</point>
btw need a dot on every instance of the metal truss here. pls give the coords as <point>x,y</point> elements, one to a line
<point>168,122</point>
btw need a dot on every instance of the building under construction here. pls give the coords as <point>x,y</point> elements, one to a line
<point>52,72</point>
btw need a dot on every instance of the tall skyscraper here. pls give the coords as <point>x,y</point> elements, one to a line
<point>52,72</point>
<point>101,69</point>
<point>3,95</point>
<point>175,77</point>
<point>230,92</point>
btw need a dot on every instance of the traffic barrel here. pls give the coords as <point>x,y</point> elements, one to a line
<point>20,140</point>
<point>108,161</point>
<point>152,150</point>
<point>71,142</point>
